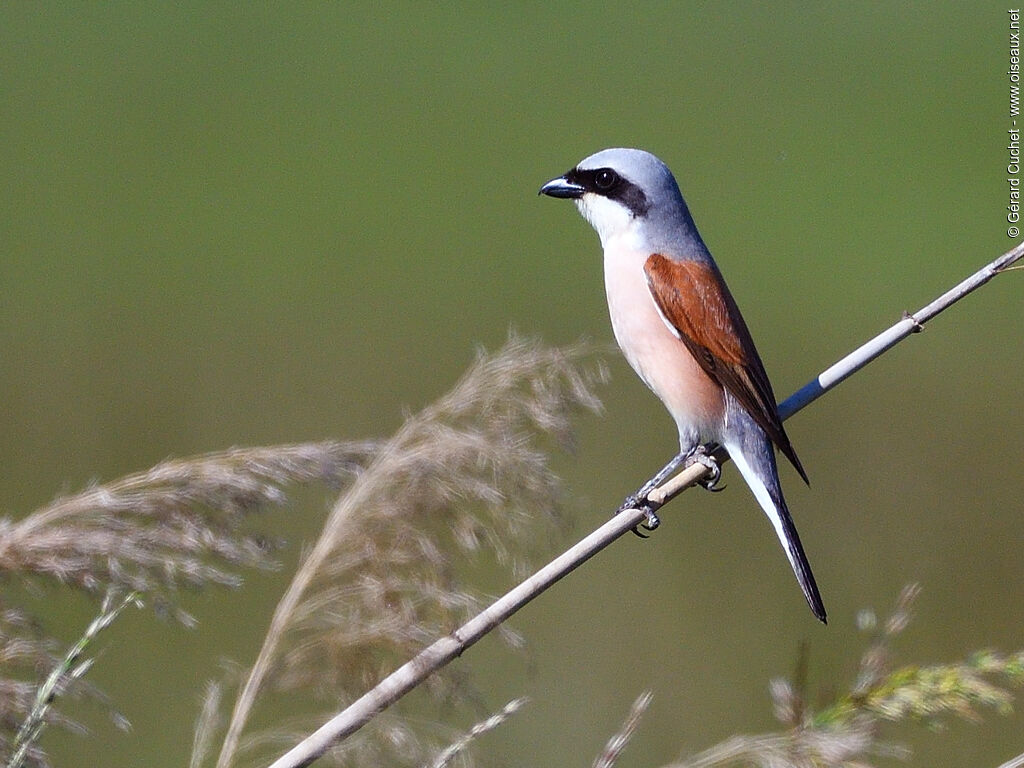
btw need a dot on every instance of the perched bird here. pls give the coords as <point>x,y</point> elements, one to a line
<point>681,331</point>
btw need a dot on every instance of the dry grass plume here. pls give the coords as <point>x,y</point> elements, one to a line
<point>468,474</point>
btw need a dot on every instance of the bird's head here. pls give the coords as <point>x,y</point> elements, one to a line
<point>619,191</point>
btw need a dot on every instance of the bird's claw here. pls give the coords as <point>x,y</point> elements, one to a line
<point>710,482</point>
<point>651,519</point>
<point>651,522</point>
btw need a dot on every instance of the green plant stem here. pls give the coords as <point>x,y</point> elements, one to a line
<point>70,668</point>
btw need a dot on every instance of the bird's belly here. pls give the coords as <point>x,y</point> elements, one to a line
<point>694,400</point>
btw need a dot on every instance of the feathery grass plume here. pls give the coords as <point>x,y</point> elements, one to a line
<point>469,473</point>
<point>26,656</point>
<point>178,524</point>
<point>206,724</point>
<point>27,659</point>
<point>924,693</point>
<point>617,743</point>
<point>68,670</point>
<point>843,748</point>
<point>458,747</point>
<point>847,732</point>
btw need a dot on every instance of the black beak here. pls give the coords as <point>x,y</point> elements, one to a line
<point>562,188</point>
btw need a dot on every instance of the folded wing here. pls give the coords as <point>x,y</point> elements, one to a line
<point>694,301</point>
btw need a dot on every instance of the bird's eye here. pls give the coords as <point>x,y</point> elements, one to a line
<point>605,179</point>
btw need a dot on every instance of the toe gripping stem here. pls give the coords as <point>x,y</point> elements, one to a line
<point>639,500</point>
<point>702,457</point>
<point>649,509</point>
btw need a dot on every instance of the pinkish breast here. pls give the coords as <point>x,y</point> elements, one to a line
<point>694,400</point>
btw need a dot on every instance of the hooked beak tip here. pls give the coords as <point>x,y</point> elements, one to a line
<point>562,188</point>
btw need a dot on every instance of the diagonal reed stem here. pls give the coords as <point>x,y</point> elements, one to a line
<point>447,648</point>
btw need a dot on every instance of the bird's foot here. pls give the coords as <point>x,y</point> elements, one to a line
<point>651,522</point>
<point>710,482</point>
<point>636,501</point>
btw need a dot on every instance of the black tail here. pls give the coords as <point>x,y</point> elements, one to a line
<point>797,558</point>
<point>759,470</point>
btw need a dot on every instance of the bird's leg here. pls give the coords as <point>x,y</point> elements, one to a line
<point>700,455</point>
<point>634,500</point>
<point>639,499</point>
<point>697,455</point>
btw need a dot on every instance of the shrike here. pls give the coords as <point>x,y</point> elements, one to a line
<point>681,331</point>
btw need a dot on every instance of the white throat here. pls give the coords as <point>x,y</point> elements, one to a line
<point>612,220</point>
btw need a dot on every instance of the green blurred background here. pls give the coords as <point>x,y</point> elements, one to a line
<point>230,225</point>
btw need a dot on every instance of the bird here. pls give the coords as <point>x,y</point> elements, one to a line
<point>680,329</point>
